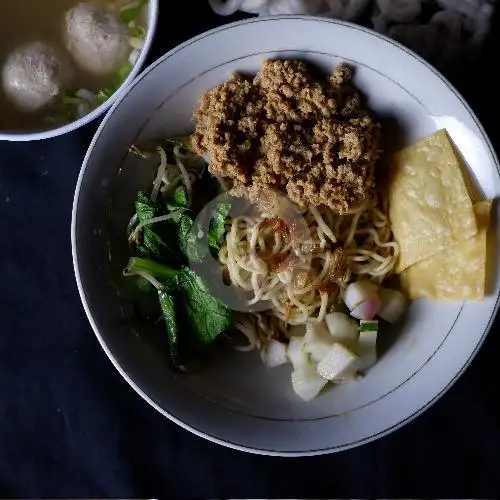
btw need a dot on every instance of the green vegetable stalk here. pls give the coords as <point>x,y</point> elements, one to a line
<point>168,310</point>
<point>194,318</point>
<point>130,12</point>
<point>218,226</point>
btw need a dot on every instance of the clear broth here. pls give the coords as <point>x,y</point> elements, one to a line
<point>25,21</point>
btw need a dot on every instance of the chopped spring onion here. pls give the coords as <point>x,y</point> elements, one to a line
<point>116,80</point>
<point>75,104</point>
<point>103,95</point>
<point>131,11</point>
<point>136,30</point>
<point>136,43</point>
<point>368,326</point>
<point>122,74</point>
<point>367,346</point>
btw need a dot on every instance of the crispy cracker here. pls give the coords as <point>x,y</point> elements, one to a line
<point>457,273</point>
<point>429,205</point>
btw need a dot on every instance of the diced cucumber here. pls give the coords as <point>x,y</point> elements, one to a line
<point>274,354</point>
<point>338,363</point>
<point>307,383</point>
<point>296,354</point>
<point>317,340</point>
<point>342,328</point>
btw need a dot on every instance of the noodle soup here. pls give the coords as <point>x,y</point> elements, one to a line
<point>62,58</point>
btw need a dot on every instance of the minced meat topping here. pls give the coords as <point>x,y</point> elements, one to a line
<point>289,132</point>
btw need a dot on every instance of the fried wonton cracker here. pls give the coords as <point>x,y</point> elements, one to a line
<point>429,206</point>
<point>457,273</point>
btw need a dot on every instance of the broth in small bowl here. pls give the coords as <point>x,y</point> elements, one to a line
<point>65,62</point>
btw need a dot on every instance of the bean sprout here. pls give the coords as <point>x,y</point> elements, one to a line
<point>133,236</point>
<point>160,175</point>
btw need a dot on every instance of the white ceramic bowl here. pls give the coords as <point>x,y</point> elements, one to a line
<point>48,133</point>
<point>236,401</point>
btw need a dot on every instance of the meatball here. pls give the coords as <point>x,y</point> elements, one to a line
<point>96,38</point>
<point>33,76</point>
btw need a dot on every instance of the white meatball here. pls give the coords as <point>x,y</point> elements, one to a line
<point>96,38</point>
<point>32,76</point>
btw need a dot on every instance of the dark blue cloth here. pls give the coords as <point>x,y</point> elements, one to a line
<point>71,427</point>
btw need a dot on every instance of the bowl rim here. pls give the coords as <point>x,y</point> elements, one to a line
<point>95,328</point>
<point>153,9</point>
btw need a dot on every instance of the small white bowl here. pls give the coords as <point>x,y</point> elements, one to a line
<point>236,401</point>
<point>48,133</point>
